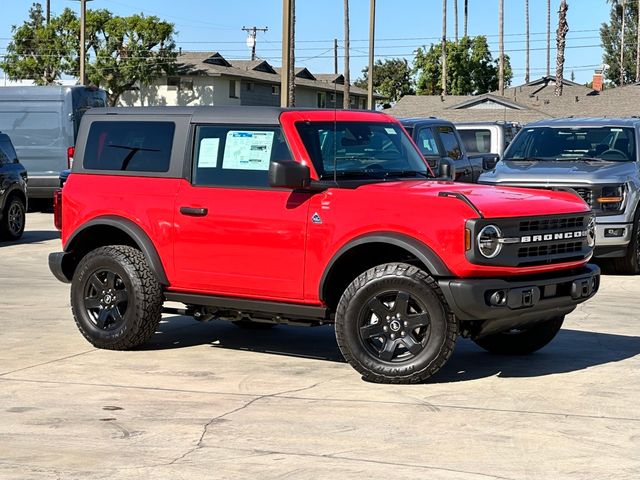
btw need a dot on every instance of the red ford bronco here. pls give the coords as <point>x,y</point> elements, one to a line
<point>264,216</point>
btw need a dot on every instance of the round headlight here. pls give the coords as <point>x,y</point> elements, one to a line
<point>489,241</point>
<point>591,233</point>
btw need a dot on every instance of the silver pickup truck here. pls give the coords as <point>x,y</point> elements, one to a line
<point>595,157</point>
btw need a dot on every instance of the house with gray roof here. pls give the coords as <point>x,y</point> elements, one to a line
<point>205,78</point>
<point>525,103</point>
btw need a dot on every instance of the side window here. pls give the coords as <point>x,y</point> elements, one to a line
<point>234,157</point>
<point>450,142</point>
<point>476,141</point>
<point>4,158</point>
<point>427,143</point>
<point>129,146</point>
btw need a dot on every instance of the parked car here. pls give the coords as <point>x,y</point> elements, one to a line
<point>43,124</point>
<point>595,157</point>
<point>13,191</point>
<point>437,139</point>
<point>488,140</point>
<point>309,217</point>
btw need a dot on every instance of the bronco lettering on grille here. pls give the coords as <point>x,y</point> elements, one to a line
<point>552,236</point>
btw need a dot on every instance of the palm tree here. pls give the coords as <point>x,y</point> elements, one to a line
<point>501,46</point>
<point>466,16</point>
<point>638,46</point>
<point>292,56</point>
<point>347,85</point>
<point>622,43</point>
<point>443,79</point>
<point>561,37</point>
<point>526,22</point>
<point>455,19</point>
<point>548,38</point>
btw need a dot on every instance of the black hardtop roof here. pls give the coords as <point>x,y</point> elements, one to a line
<point>578,122</point>
<point>199,114</point>
<point>421,121</point>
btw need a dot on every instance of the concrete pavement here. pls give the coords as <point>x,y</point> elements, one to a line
<point>214,401</point>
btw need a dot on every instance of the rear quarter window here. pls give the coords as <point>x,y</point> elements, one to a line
<point>129,146</point>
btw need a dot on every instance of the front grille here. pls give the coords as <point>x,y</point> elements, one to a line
<point>553,249</point>
<point>547,224</point>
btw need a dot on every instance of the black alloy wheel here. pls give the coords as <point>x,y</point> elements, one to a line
<point>106,299</point>
<point>13,223</point>
<point>394,326</point>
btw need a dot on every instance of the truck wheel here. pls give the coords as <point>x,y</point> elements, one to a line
<point>522,342</point>
<point>630,263</point>
<point>393,325</point>
<point>115,298</point>
<point>13,220</point>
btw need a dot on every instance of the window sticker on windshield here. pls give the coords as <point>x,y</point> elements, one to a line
<point>390,131</point>
<point>208,155</point>
<point>616,129</point>
<point>245,150</point>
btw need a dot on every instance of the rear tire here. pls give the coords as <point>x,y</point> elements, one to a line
<point>13,219</point>
<point>522,342</point>
<point>393,325</point>
<point>115,298</point>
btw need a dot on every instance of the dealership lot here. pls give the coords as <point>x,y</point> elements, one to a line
<point>211,399</point>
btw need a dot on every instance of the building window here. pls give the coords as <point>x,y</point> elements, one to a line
<point>275,89</point>
<point>173,83</point>
<point>186,85</point>
<point>322,100</point>
<point>233,89</point>
<point>332,98</point>
<point>363,103</point>
<point>250,87</point>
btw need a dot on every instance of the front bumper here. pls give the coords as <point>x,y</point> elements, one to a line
<point>612,239</point>
<point>525,300</point>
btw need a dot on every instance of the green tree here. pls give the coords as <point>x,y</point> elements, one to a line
<point>392,78</point>
<point>471,69</point>
<point>39,51</point>
<point>125,51</point>
<point>611,34</point>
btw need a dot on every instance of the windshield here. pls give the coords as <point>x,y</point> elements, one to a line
<point>612,144</point>
<point>361,149</point>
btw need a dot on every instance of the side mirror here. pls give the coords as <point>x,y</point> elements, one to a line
<point>289,174</point>
<point>490,161</point>
<point>447,169</point>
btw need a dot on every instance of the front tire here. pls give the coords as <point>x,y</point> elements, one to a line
<point>393,325</point>
<point>630,263</point>
<point>522,342</point>
<point>115,298</point>
<point>13,220</point>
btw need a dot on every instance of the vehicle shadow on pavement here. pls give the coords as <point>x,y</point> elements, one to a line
<point>33,236</point>
<point>303,342</point>
<point>571,350</point>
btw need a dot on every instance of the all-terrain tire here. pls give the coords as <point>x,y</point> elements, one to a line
<point>13,219</point>
<point>522,342</point>
<point>630,263</point>
<point>121,275</point>
<point>365,337</point>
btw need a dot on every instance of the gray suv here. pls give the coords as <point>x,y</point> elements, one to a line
<point>595,157</point>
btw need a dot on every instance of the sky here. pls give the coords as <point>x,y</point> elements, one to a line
<point>401,27</point>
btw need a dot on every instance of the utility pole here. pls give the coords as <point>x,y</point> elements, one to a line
<point>443,79</point>
<point>83,41</point>
<point>286,53</point>
<point>48,11</point>
<point>372,35</point>
<point>292,55</point>
<point>251,39</point>
<point>638,48</point>
<point>501,46</point>
<point>335,55</point>
<point>548,38</point>
<point>622,34</point>
<point>346,101</point>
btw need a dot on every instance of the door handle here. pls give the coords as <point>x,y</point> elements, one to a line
<point>194,211</point>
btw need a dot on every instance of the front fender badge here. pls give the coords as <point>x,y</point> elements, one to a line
<point>316,218</point>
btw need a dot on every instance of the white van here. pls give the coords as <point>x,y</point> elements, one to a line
<point>42,123</point>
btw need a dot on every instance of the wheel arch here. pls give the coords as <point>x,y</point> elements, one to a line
<point>355,257</point>
<point>16,191</point>
<point>111,230</point>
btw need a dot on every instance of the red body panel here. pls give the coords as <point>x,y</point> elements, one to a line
<point>261,243</point>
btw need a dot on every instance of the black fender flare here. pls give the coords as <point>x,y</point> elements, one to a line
<point>137,234</point>
<point>422,252</point>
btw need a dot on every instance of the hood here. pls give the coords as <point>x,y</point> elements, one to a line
<point>490,201</point>
<point>550,173</point>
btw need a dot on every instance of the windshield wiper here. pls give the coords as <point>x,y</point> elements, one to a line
<point>527,159</point>
<point>406,173</point>
<point>581,159</point>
